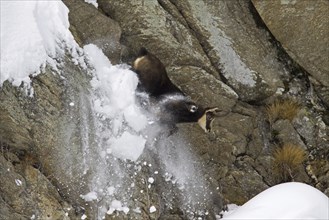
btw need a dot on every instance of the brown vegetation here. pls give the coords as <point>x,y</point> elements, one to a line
<point>282,109</point>
<point>288,160</point>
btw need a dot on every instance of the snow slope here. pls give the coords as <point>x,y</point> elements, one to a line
<point>285,201</point>
<point>33,33</point>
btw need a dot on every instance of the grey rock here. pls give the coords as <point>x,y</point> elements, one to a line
<point>146,23</point>
<point>302,27</point>
<point>46,121</point>
<point>323,93</point>
<point>284,132</point>
<point>305,126</point>
<point>244,180</point>
<point>26,194</point>
<point>12,117</point>
<point>203,87</point>
<point>220,28</point>
<point>89,26</point>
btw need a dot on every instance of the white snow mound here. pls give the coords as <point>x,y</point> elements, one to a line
<point>285,201</point>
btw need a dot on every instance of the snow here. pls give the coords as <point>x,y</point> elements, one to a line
<point>137,210</point>
<point>110,190</point>
<point>93,2</point>
<point>230,209</point>
<point>33,33</point>
<point>287,2</point>
<point>152,209</point>
<point>89,196</point>
<point>284,201</point>
<point>150,180</point>
<point>128,146</point>
<point>118,85</point>
<point>115,88</point>
<point>116,205</point>
<point>18,182</point>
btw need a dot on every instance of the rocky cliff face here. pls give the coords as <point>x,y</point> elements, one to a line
<point>241,56</point>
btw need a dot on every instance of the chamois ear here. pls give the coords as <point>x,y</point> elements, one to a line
<point>142,52</point>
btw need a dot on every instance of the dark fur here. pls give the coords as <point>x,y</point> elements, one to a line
<point>155,81</point>
<point>178,111</point>
<point>153,76</point>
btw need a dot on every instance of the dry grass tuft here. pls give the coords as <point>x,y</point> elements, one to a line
<point>282,109</point>
<point>288,160</point>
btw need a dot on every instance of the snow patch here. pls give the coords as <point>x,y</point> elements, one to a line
<point>288,2</point>
<point>151,180</point>
<point>230,209</point>
<point>33,35</point>
<point>128,146</point>
<point>116,205</point>
<point>18,182</point>
<point>110,190</point>
<point>93,2</point>
<point>89,196</point>
<point>285,201</point>
<point>137,210</point>
<point>152,209</point>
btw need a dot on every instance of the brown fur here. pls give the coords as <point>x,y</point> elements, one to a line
<point>153,75</point>
<point>175,106</point>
